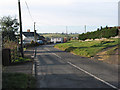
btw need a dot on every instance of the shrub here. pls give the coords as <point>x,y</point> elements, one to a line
<point>32,42</point>
<point>103,33</point>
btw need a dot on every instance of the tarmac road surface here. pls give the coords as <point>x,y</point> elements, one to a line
<point>59,69</point>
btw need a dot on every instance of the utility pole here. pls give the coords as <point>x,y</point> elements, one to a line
<point>66,30</point>
<point>85,28</point>
<point>34,32</point>
<point>35,38</point>
<point>20,21</point>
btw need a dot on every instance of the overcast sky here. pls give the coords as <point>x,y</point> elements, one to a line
<point>54,15</point>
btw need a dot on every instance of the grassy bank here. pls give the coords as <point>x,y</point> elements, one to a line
<point>17,80</point>
<point>87,48</point>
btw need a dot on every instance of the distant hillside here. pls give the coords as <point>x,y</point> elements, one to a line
<point>106,32</point>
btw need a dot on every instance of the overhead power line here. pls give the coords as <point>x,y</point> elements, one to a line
<point>32,17</point>
<point>29,11</point>
<point>33,20</point>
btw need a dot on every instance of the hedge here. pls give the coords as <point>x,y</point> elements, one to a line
<point>102,33</point>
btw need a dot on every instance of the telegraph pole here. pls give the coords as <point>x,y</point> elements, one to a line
<point>85,28</point>
<point>35,38</point>
<point>20,21</point>
<point>34,32</point>
<point>66,30</point>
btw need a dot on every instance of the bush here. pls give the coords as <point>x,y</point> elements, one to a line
<point>12,45</point>
<point>103,33</point>
<point>32,42</point>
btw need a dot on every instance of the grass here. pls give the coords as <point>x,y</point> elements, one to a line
<point>17,80</point>
<point>24,49</point>
<point>86,48</point>
<point>112,50</point>
<point>20,59</point>
<point>59,35</point>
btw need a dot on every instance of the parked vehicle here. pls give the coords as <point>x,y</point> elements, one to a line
<point>56,40</point>
<point>40,41</point>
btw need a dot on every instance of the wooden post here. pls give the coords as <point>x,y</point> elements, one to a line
<point>34,33</point>
<point>6,57</point>
<point>85,28</point>
<point>20,21</point>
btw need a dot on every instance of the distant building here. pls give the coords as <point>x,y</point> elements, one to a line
<point>56,40</point>
<point>29,36</point>
<point>74,38</point>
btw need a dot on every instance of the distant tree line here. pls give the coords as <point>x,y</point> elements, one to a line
<point>106,32</point>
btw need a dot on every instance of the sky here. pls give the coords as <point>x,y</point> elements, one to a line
<point>53,16</point>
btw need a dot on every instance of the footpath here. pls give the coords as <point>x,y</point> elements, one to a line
<point>26,67</point>
<point>20,75</point>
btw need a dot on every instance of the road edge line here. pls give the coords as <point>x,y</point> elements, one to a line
<point>93,76</point>
<point>87,72</point>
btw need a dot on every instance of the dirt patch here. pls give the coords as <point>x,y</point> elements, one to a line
<point>108,58</point>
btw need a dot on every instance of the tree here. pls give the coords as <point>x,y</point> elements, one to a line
<point>101,28</point>
<point>9,26</point>
<point>104,33</point>
<point>106,27</point>
<point>98,29</point>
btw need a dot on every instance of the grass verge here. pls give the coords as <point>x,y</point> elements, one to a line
<point>87,48</point>
<point>17,80</point>
<point>112,50</point>
<point>21,59</point>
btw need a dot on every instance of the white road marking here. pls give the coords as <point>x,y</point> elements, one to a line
<point>54,54</point>
<point>87,72</point>
<point>93,76</point>
<point>33,70</point>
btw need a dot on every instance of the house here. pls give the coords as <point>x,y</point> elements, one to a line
<point>56,40</point>
<point>29,36</point>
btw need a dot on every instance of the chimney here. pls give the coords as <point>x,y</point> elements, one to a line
<point>28,30</point>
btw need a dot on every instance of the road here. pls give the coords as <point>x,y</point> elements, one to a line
<point>59,69</point>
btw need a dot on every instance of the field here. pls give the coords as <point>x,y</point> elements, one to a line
<point>87,48</point>
<point>49,35</point>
